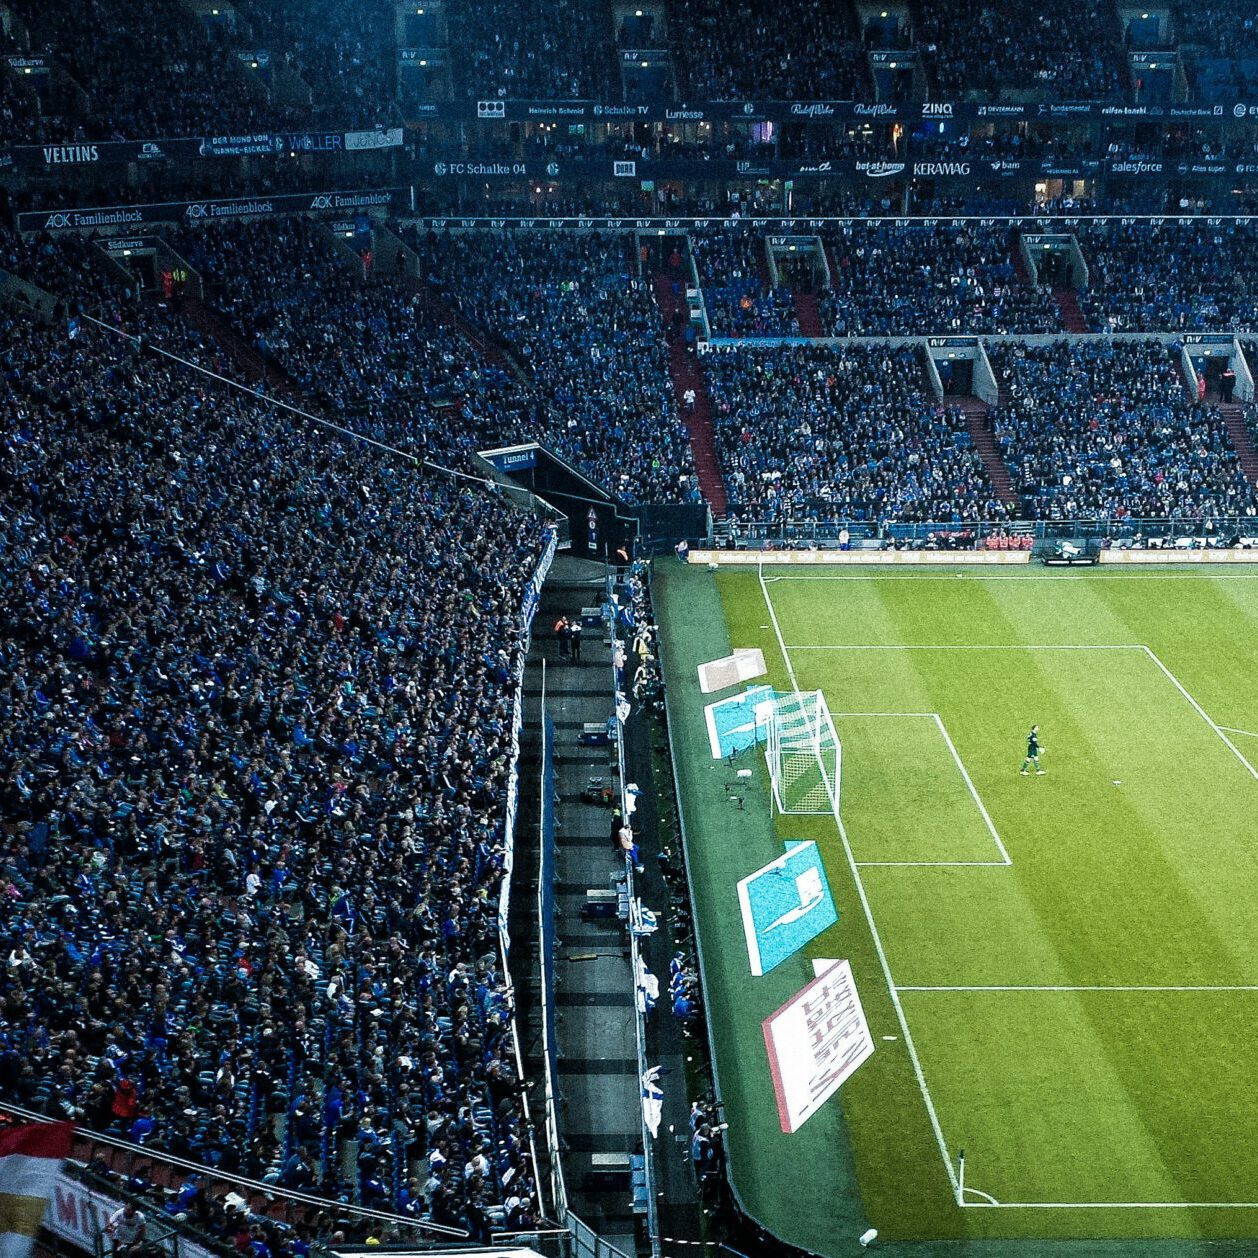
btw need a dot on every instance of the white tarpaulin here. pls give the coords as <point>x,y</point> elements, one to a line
<point>745,664</point>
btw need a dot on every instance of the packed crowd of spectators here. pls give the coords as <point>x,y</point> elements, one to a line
<point>572,309</point>
<point>258,682</point>
<point>755,50</point>
<point>1226,28</point>
<point>1067,49</point>
<point>149,70</point>
<point>344,51</point>
<point>363,349</point>
<point>63,266</point>
<point>153,69</point>
<point>589,377</point>
<point>1171,276</point>
<point>25,118</point>
<point>534,49</point>
<point>890,279</point>
<point>1104,429</point>
<point>156,69</point>
<point>813,433</point>
<point>737,289</point>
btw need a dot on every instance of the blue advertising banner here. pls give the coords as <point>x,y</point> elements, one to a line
<point>739,722</point>
<point>394,200</point>
<point>785,906</point>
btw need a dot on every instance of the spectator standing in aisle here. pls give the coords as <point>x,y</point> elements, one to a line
<point>574,638</point>
<point>1227,383</point>
<point>561,633</point>
<point>126,1229</point>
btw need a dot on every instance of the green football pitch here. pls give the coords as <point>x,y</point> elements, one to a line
<point>1060,973</point>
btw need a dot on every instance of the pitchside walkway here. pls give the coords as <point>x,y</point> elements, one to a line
<point>600,1111</point>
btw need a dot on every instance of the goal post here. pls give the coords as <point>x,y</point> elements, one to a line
<point>804,755</point>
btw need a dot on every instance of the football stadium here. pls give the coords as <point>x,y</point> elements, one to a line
<point>628,628</point>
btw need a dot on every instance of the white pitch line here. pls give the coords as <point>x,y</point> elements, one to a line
<point>979,572</point>
<point>777,629</point>
<point>894,991</point>
<point>934,864</point>
<point>1087,988</point>
<point>971,646</point>
<point>988,1199</point>
<point>839,715</point>
<point>1201,712</point>
<point>873,929</point>
<point>991,826</point>
<point>1110,1205</point>
<point>1231,729</point>
<point>1220,730</point>
<point>1006,859</point>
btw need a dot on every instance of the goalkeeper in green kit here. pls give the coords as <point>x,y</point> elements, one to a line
<point>1033,750</point>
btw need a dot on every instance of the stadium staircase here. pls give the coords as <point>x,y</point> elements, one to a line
<point>257,370</point>
<point>443,313</point>
<point>762,268</point>
<point>808,314</point>
<point>1233,414</point>
<point>1071,312</point>
<point>1234,417</point>
<point>976,413</point>
<point>686,373</point>
<point>1067,299</point>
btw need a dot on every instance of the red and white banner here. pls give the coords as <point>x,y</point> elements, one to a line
<point>815,1041</point>
<point>30,1162</point>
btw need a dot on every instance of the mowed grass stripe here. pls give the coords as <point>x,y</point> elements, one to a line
<point>906,798</point>
<point>1208,640</point>
<point>1173,1133</point>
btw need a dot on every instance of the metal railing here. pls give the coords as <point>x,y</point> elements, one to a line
<point>635,952</point>
<point>1121,532</point>
<point>163,1170</point>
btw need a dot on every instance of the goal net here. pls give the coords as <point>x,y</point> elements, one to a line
<point>804,754</point>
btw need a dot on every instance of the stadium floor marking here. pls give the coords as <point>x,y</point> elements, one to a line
<point>1105,1205</point>
<point>1231,729</point>
<point>1005,858</point>
<point>896,1004</point>
<point>978,646</point>
<point>1086,987</point>
<point>982,572</point>
<point>989,1203</point>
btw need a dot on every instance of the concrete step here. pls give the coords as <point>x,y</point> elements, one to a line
<point>976,412</point>
<point>1234,417</point>
<point>1072,315</point>
<point>808,314</point>
<point>686,373</point>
